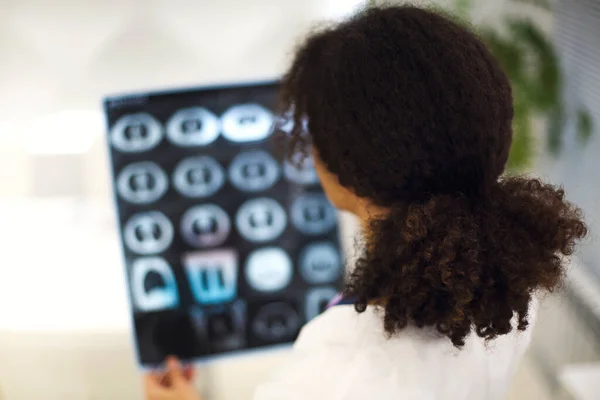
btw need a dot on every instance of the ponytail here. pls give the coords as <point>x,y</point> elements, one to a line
<point>459,264</point>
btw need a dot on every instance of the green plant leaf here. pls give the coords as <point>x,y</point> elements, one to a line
<point>509,54</point>
<point>556,127</point>
<point>545,4</point>
<point>522,146</point>
<point>584,125</point>
<point>542,79</point>
<point>463,7</point>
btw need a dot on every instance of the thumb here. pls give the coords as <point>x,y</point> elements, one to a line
<point>155,391</point>
<point>175,371</point>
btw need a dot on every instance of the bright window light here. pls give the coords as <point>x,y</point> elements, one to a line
<point>340,9</point>
<point>6,131</point>
<point>64,132</point>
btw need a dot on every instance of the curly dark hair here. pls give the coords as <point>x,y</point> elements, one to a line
<point>411,111</point>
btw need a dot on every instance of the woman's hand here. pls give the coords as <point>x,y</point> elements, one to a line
<point>175,384</point>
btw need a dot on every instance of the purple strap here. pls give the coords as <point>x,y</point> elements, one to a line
<point>335,301</point>
<point>340,300</point>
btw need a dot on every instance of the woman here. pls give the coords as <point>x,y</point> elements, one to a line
<point>409,120</point>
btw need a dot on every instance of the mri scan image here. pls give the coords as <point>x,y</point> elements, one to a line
<point>261,220</point>
<point>153,285</point>
<point>224,328</point>
<point>300,170</point>
<point>254,171</point>
<point>212,275</point>
<point>285,123</point>
<point>198,177</point>
<point>276,321</point>
<point>269,269</point>
<point>317,300</point>
<point>206,225</point>
<point>136,133</point>
<point>320,263</point>
<point>194,126</point>
<point>142,182</point>
<point>312,214</point>
<point>227,247</point>
<point>148,233</point>
<point>247,123</point>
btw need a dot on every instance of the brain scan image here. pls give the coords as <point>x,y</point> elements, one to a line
<point>206,225</point>
<point>148,233</point>
<point>212,275</point>
<point>300,170</point>
<point>142,183</point>
<point>223,327</point>
<point>136,133</point>
<point>320,263</point>
<point>269,269</point>
<point>312,214</point>
<point>198,177</point>
<point>261,220</point>
<point>285,122</point>
<point>254,171</point>
<point>317,300</point>
<point>227,247</point>
<point>276,321</point>
<point>153,285</point>
<point>194,126</point>
<point>246,123</point>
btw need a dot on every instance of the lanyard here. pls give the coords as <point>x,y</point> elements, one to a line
<point>340,300</point>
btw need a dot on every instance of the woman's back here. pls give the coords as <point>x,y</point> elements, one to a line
<point>342,355</point>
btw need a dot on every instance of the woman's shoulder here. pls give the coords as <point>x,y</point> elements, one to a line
<point>343,326</point>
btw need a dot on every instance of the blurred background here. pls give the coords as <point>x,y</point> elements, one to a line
<point>64,318</point>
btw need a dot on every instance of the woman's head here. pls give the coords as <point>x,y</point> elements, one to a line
<point>403,103</point>
<point>408,113</point>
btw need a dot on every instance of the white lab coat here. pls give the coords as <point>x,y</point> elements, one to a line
<point>342,355</point>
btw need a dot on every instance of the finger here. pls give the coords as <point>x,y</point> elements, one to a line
<point>189,372</point>
<point>175,371</point>
<point>155,391</point>
<point>160,377</point>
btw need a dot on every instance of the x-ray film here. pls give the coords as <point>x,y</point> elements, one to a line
<point>228,246</point>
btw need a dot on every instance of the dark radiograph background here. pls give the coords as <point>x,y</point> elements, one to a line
<point>227,247</point>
